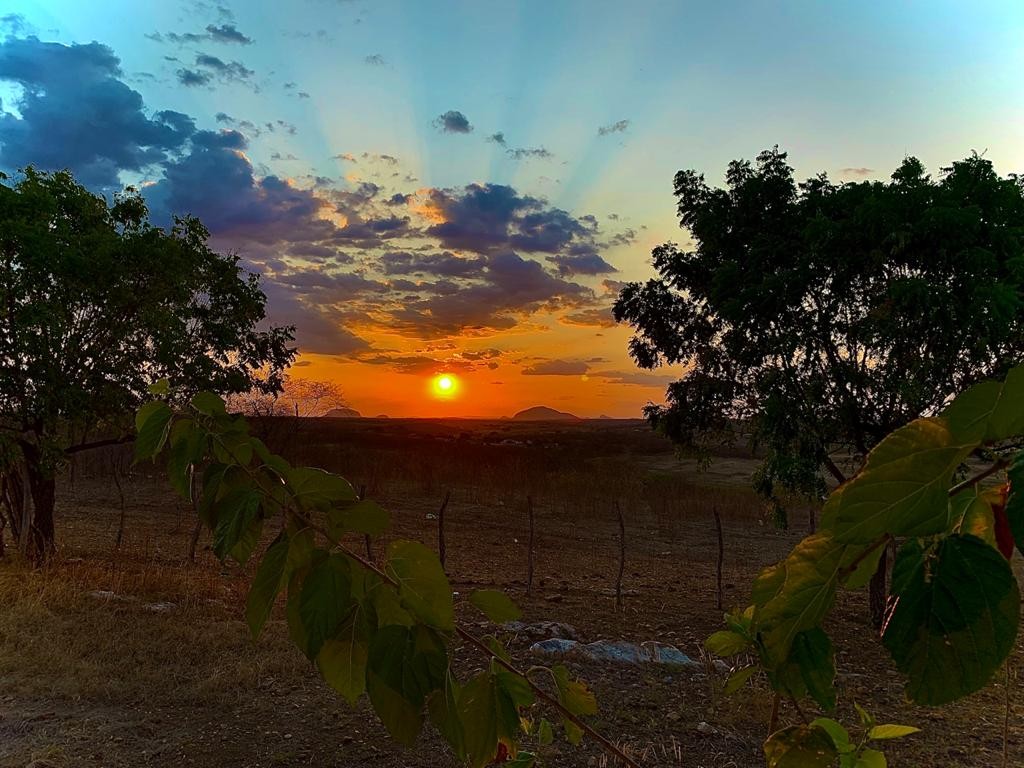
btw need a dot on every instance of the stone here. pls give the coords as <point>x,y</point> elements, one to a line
<point>541,630</point>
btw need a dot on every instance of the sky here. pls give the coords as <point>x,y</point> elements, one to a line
<point>462,188</point>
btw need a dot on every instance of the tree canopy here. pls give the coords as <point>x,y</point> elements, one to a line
<point>96,303</point>
<point>822,316</point>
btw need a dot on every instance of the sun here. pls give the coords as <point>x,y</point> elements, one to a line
<point>445,385</point>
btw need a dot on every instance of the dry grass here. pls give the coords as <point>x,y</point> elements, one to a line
<point>163,672</point>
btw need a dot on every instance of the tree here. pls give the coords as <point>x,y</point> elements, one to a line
<point>302,398</point>
<point>95,304</point>
<point>823,316</point>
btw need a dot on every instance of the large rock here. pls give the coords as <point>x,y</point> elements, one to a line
<point>618,651</point>
<point>343,413</point>
<point>543,413</point>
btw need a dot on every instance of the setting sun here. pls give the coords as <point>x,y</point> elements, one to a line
<point>445,385</point>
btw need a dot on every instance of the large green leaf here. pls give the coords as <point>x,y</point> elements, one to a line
<point>954,619</point>
<point>152,423</point>
<point>989,411</point>
<point>726,643</point>
<point>326,601</point>
<point>236,514</point>
<point>267,582</point>
<point>495,605</point>
<point>800,746</point>
<point>187,447</point>
<point>575,697</point>
<point>342,659</point>
<point>422,584</point>
<point>360,516</point>
<point>812,652</point>
<point>405,665</point>
<point>443,708</point>
<point>479,715</point>
<point>208,403</point>
<point>903,487</point>
<point>315,489</point>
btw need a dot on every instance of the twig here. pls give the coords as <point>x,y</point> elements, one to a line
<point>441,549</point>
<point>974,480</point>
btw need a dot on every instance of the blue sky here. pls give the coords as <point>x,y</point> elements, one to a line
<point>584,110</point>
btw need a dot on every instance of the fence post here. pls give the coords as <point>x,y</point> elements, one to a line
<point>441,548</point>
<point>529,546</point>
<point>721,556</point>
<point>622,554</point>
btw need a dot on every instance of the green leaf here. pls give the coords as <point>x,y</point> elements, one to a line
<point>800,746</point>
<point>903,487</point>
<point>522,760</point>
<point>544,733</point>
<point>405,665</point>
<point>152,424</point>
<point>342,658</point>
<point>326,601</point>
<point>495,605</point>
<point>812,652</point>
<point>575,697</point>
<point>422,585</point>
<point>235,513</point>
<point>871,758</point>
<point>892,731</point>
<point>738,679</point>
<point>208,404</point>
<point>839,735</point>
<point>443,709</point>
<point>989,411</point>
<point>233,448</point>
<point>159,387</point>
<point>725,643</point>
<point>360,516</point>
<point>268,581</point>
<point>979,520</point>
<point>866,718</point>
<point>314,488</point>
<point>478,711</point>
<point>955,617</point>
<point>187,445</point>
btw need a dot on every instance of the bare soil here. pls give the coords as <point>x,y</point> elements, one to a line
<point>137,657</point>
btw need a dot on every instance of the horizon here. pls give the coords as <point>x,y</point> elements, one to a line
<point>462,189</point>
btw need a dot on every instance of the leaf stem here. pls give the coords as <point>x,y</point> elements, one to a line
<point>975,479</point>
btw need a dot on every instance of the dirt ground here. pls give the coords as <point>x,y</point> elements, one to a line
<point>138,657</point>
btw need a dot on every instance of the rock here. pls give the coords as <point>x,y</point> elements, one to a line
<point>554,598</point>
<point>618,651</point>
<point>159,607</point>
<point>721,667</point>
<point>706,728</point>
<point>543,629</point>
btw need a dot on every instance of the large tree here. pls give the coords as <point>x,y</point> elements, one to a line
<point>821,316</point>
<point>96,303</point>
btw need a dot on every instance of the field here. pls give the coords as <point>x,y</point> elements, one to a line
<point>134,655</point>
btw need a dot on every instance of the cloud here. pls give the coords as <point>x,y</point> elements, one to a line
<point>497,138</point>
<point>619,126</point>
<point>75,112</point>
<point>227,33</point>
<point>228,71</point>
<point>529,154</point>
<point>445,264</point>
<point>581,264</point>
<point>858,172</point>
<point>489,217</point>
<point>374,60</point>
<point>595,317</point>
<point>452,121</point>
<point>557,368</point>
<point>193,78</point>
<point>635,378</point>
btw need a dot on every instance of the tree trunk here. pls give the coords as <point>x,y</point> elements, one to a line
<point>38,538</point>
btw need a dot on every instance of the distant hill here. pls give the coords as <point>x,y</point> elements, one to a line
<point>543,413</point>
<point>343,413</point>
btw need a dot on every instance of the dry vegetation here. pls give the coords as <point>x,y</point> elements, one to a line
<point>134,656</point>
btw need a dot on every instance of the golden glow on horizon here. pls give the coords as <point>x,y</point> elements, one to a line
<point>444,385</point>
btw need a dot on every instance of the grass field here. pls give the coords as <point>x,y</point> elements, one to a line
<point>136,656</point>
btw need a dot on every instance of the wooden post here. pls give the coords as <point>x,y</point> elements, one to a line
<point>812,524</point>
<point>622,555</point>
<point>529,546</point>
<point>441,551</point>
<point>721,556</point>
<point>194,542</point>
<point>120,496</point>
<point>366,537</point>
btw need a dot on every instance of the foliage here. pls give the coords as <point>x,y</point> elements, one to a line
<point>385,630</point>
<point>97,304</point>
<point>823,316</point>
<point>953,616</point>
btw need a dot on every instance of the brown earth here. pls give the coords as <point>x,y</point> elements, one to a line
<point>137,657</point>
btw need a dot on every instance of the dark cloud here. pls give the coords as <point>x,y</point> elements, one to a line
<point>528,154</point>
<point>582,264</point>
<point>497,138</point>
<point>445,264</point>
<point>557,368</point>
<point>227,33</point>
<point>452,121</point>
<point>375,60</point>
<point>376,158</point>
<point>14,24</point>
<point>489,217</point>
<point>635,378</point>
<point>619,126</point>
<point>860,172</point>
<point>225,70</point>
<point>193,78</point>
<point>75,112</point>
<point>596,317</point>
